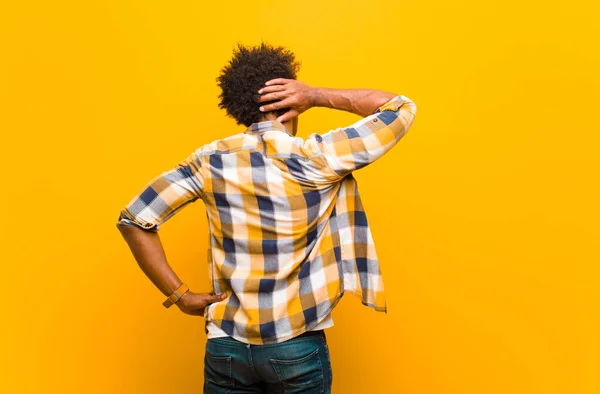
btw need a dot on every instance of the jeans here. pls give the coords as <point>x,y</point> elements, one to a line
<point>299,365</point>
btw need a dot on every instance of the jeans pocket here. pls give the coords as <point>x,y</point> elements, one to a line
<point>300,375</point>
<point>217,374</point>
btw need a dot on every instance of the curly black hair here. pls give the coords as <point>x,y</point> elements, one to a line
<point>246,73</point>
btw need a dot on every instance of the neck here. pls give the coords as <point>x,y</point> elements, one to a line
<point>289,124</point>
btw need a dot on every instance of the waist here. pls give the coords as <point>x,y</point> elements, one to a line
<point>319,333</point>
<point>230,340</point>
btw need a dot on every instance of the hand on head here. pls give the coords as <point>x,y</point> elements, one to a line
<point>287,93</point>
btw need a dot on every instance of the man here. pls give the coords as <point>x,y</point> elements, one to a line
<point>287,232</point>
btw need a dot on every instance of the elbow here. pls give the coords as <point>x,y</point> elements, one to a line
<point>123,228</point>
<point>120,226</point>
<point>124,222</point>
<point>121,220</point>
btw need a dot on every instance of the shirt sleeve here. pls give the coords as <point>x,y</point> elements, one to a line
<point>353,147</point>
<point>165,195</point>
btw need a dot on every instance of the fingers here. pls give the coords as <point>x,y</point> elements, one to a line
<point>215,298</point>
<point>272,107</point>
<point>277,81</point>
<point>288,115</point>
<point>272,88</point>
<point>197,305</point>
<point>271,97</point>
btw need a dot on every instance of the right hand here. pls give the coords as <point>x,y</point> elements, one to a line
<point>194,303</point>
<point>288,93</point>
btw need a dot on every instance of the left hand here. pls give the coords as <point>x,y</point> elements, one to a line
<point>194,303</point>
<point>289,93</point>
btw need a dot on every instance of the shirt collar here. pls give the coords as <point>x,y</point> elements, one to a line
<point>260,127</point>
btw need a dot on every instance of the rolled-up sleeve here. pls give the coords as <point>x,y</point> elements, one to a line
<point>353,147</point>
<point>165,195</point>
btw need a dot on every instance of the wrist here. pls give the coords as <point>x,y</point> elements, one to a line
<point>318,97</point>
<point>185,297</point>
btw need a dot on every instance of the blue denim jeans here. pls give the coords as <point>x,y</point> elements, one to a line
<point>298,365</point>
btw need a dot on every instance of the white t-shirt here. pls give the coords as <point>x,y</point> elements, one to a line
<point>215,332</point>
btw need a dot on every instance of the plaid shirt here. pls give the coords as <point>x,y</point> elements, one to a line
<point>287,231</point>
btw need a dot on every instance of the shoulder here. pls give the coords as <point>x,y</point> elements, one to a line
<point>226,144</point>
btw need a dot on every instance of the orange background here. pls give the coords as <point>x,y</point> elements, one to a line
<point>485,216</point>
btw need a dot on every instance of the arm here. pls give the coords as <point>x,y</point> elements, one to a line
<point>386,119</point>
<point>139,222</point>
<point>299,97</point>
<point>362,102</point>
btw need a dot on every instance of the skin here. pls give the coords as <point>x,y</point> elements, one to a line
<point>298,97</point>
<point>291,125</point>
<point>150,256</point>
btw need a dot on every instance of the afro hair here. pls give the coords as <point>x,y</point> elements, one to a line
<point>246,73</point>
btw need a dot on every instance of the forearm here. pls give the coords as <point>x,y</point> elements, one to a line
<point>150,256</point>
<point>361,102</point>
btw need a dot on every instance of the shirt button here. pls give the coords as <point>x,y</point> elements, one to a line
<point>375,120</point>
<point>248,346</point>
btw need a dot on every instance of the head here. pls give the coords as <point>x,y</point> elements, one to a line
<point>246,73</point>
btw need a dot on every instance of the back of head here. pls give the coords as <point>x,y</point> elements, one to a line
<point>246,73</point>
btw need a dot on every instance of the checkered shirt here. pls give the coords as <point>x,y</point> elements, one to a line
<point>288,234</point>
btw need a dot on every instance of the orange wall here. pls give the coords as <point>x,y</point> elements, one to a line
<point>485,215</point>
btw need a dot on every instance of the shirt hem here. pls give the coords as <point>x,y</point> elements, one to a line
<point>277,340</point>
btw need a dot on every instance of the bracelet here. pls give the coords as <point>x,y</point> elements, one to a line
<point>173,298</point>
